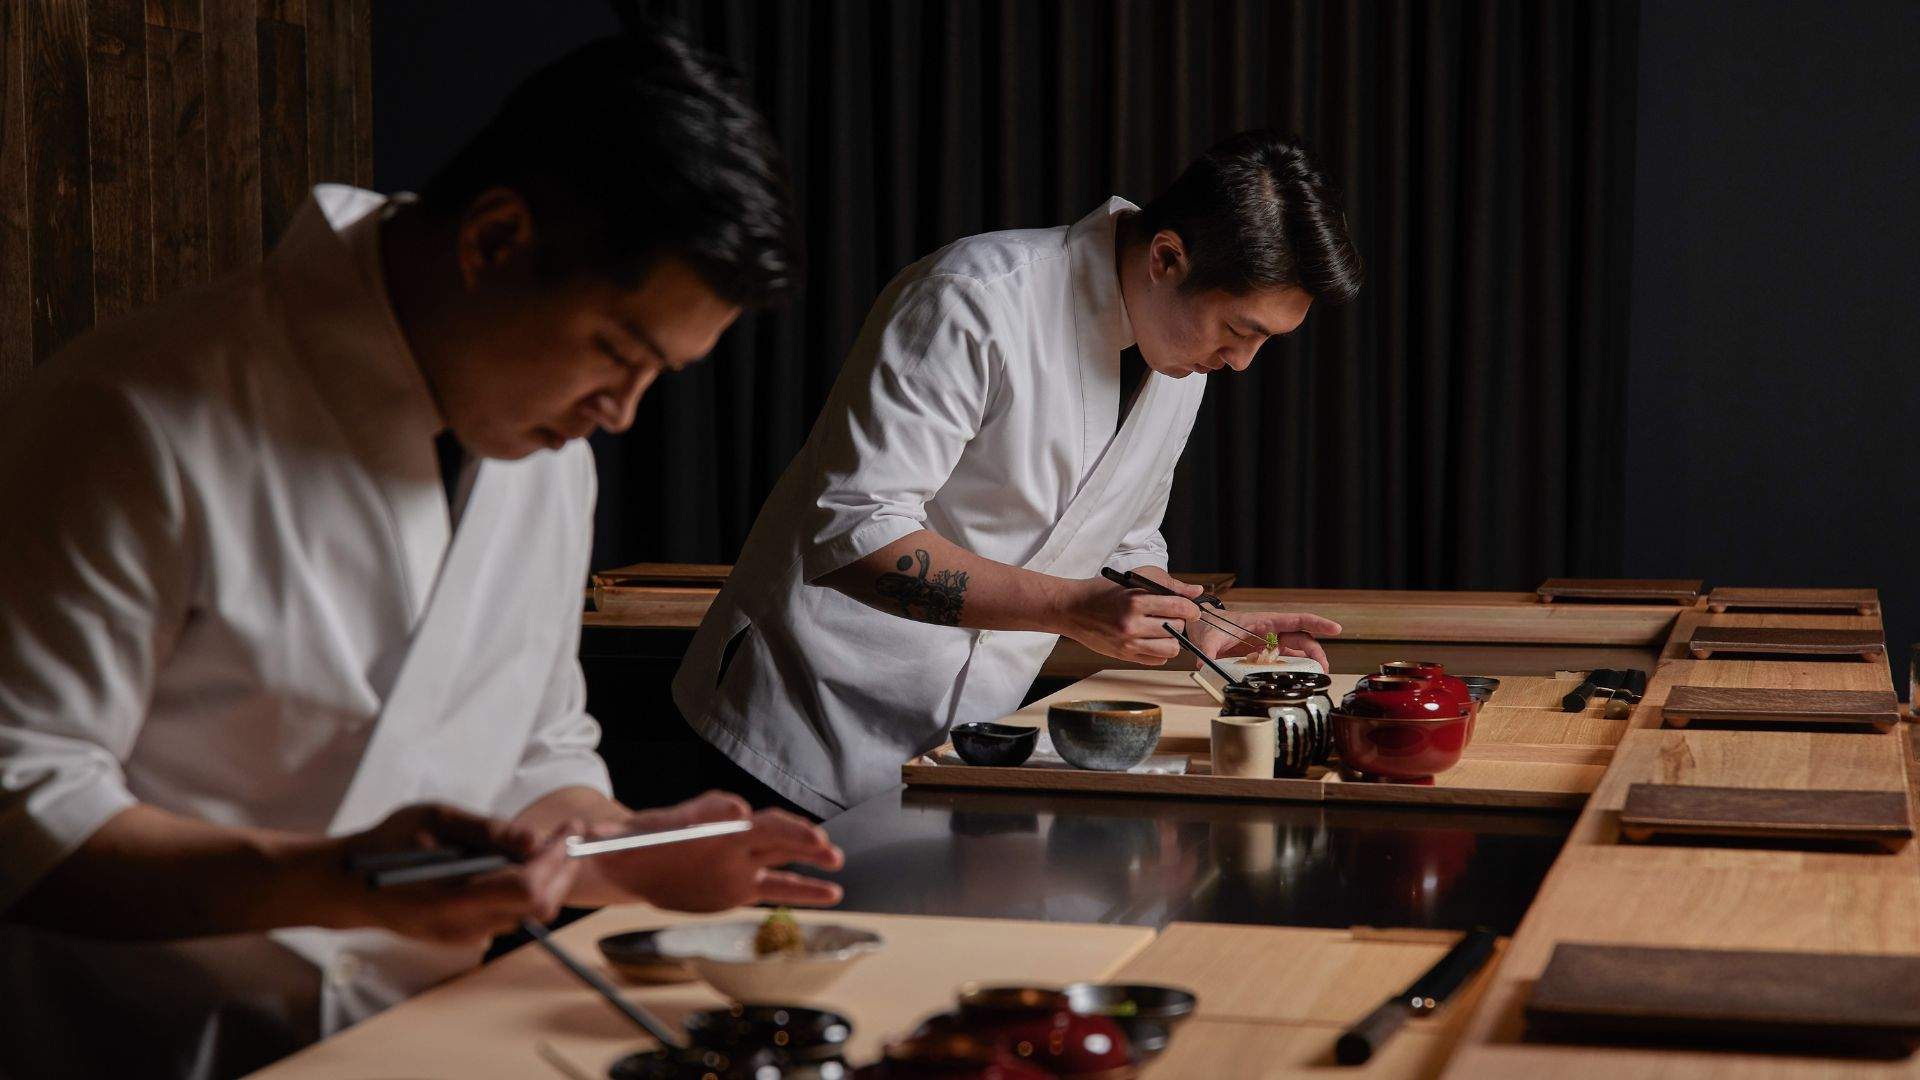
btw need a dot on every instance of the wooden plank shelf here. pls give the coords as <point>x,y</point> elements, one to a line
<point>1789,641</point>
<point>1858,601</point>
<point>1878,710</point>
<point>1624,590</point>
<point>1877,818</point>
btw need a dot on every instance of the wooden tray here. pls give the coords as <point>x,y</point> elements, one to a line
<point>1863,817</point>
<point>1786,641</point>
<point>1861,601</point>
<point>1856,1001</point>
<point>1625,590</point>
<point>1879,709</point>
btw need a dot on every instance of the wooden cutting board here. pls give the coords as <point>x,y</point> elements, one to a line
<point>1785,641</point>
<point>1727,997</point>
<point>1766,707</point>
<point>1878,818</point>
<point>1860,601</point>
<point>1625,590</point>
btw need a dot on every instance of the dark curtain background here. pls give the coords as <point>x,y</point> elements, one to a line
<point>1460,425</point>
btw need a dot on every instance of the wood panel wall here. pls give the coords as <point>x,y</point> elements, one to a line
<point>148,145</point>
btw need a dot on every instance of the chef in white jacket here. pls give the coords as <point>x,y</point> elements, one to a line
<point>1006,425</point>
<point>290,571</point>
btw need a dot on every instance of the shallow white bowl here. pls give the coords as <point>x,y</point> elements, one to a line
<point>1240,666</point>
<point>722,954</point>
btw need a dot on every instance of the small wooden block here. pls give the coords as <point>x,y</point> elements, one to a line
<point>1785,641</point>
<point>1862,601</point>
<point>1861,1001</point>
<point>1794,708</point>
<point>1864,817</point>
<point>1626,590</point>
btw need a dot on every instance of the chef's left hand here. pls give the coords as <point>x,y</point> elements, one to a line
<point>720,872</point>
<point>1295,629</point>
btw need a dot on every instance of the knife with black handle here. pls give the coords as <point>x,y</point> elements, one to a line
<point>1577,700</point>
<point>1428,993</point>
<point>1625,698</point>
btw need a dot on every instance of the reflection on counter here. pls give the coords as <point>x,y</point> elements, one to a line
<point>1150,862</point>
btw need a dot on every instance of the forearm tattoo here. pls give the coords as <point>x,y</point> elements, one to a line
<point>937,599</point>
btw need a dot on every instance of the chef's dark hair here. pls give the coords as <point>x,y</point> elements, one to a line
<point>630,148</point>
<point>1254,212</point>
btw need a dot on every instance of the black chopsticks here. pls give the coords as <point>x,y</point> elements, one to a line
<point>1204,658</point>
<point>641,1018</point>
<point>1127,579</point>
<point>1429,992</point>
<point>390,869</point>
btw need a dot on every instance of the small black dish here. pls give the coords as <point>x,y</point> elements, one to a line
<point>635,955</point>
<point>1005,745</point>
<point>794,1032</point>
<point>695,1063</point>
<point>1148,1014</point>
<point>1480,687</point>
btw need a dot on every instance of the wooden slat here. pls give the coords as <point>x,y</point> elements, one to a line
<point>172,14</point>
<point>1671,590</point>
<point>62,270</point>
<point>1462,616</point>
<point>16,283</point>
<point>117,157</point>
<point>176,99</point>
<point>231,50</point>
<point>330,90</point>
<point>362,31</point>
<point>1860,601</point>
<point>283,125</point>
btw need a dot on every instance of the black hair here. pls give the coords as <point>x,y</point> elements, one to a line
<point>631,148</point>
<point>1255,213</point>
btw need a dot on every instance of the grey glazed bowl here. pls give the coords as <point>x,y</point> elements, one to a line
<point>1106,736</point>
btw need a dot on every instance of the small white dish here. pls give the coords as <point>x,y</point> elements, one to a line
<point>723,955</point>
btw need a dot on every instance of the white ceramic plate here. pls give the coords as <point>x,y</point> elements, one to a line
<point>723,955</point>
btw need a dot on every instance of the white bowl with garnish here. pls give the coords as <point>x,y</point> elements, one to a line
<point>724,954</point>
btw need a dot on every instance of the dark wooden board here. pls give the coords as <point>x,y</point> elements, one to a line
<point>176,97</point>
<point>283,124</point>
<point>1629,590</point>
<point>232,56</point>
<point>1785,641</point>
<point>1770,707</point>
<point>118,157</point>
<point>1863,817</point>
<point>16,289</point>
<point>1851,1000</point>
<point>59,217</point>
<point>1862,601</point>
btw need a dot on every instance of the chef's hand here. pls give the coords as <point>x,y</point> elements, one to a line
<point>720,872</point>
<point>1295,629</point>
<point>1123,623</point>
<point>461,910</point>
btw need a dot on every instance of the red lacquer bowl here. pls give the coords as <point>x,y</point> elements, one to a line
<point>1397,748</point>
<point>1432,670</point>
<point>1400,697</point>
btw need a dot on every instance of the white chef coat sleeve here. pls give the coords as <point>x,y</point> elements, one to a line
<point>561,748</point>
<point>94,589</point>
<point>915,391</point>
<point>1143,545</point>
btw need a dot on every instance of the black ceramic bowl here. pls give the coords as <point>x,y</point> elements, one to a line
<point>635,955</point>
<point>1481,687</point>
<point>981,743</point>
<point>1148,1014</point>
<point>794,1032</point>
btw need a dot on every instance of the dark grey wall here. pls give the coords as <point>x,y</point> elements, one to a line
<point>1772,401</point>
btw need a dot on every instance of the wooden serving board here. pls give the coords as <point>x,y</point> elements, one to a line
<point>1864,817</point>
<point>1626,590</point>
<point>1522,758</point>
<point>1764,707</point>
<point>1859,601</point>
<point>1786,641</point>
<point>496,1020</point>
<point>1840,1000</point>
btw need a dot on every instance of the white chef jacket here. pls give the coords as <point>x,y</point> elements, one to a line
<point>979,402</point>
<point>230,588</point>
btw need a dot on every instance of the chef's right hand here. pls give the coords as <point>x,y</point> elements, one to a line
<point>461,910</point>
<point>1124,623</point>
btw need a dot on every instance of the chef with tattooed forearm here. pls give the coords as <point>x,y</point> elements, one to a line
<point>1006,425</point>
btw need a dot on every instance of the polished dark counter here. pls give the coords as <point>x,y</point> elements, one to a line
<point>1150,861</point>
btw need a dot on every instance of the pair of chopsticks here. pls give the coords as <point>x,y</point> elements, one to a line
<point>390,869</point>
<point>1127,579</point>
